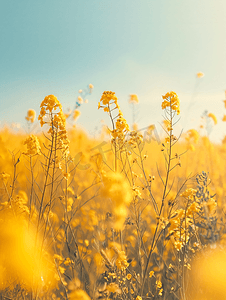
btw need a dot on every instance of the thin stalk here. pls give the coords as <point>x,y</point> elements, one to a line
<point>162,204</point>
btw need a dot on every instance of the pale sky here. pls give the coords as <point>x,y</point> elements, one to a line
<point>145,47</point>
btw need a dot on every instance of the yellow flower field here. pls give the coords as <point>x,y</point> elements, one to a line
<point>123,216</point>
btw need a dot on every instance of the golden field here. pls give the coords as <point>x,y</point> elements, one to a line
<point>124,216</point>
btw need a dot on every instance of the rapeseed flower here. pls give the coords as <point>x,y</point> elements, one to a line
<point>171,100</point>
<point>56,120</point>
<point>189,193</point>
<point>192,134</point>
<point>33,146</point>
<point>133,99</point>
<point>31,114</point>
<point>199,75</point>
<point>121,261</point>
<point>106,98</point>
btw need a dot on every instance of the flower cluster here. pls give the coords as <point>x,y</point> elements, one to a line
<point>33,146</point>
<point>192,134</point>
<point>183,219</point>
<point>121,261</point>
<point>122,128</point>
<point>50,103</point>
<point>189,193</point>
<point>107,98</point>
<point>135,138</point>
<point>199,75</point>
<point>178,229</point>
<point>171,100</point>
<point>56,121</point>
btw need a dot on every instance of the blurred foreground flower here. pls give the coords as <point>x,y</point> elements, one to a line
<point>118,190</point>
<point>207,275</point>
<point>20,262</point>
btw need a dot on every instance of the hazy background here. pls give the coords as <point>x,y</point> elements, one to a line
<point>146,47</point>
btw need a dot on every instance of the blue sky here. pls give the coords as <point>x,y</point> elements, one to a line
<point>144,47</point>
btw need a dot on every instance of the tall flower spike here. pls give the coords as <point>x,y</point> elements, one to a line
<point>51,107</point>
<point>171,100</point>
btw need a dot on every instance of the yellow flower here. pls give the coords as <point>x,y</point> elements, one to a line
<point>133,99</point>
<point>224,118</point>
<point>178,245</point>
<point>171,100</point>
<point>193,208</point>
<point>68,261</point>
<point>151,274</point>
<point>33,146</point>
<point>129,276</point>
<point>56,121</point>
<point>61,269</point>
<point>189,193</point>
<point>31,114</point>
<point>107,97</point>
<point>192,134</point>
<point>66,176</point>
<point>158,284</point>
<point>50,103</point>
<point>121,261</point>
<point>91,86</point>
<point>80,100</point>
<point>79,295</point>
<point>199,75</point>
